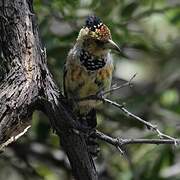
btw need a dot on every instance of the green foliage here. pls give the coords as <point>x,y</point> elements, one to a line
<point>129,9</point>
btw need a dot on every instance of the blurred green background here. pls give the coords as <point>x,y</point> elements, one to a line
<point>149,33</point>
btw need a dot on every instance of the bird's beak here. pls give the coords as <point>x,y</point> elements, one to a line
<point>112,45</point>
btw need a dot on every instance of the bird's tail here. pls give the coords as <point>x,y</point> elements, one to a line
<point>89,120</point>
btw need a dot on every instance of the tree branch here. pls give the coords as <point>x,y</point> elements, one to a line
<point>115,88</point>
<point>29,85</point>
<point>168,139</point>
<point>120,142</point>
<point>133,116</point>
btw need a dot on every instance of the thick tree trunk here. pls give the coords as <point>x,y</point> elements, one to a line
<point>27,85</point>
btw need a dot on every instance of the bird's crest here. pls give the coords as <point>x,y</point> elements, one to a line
<point>93,23</point>
<point>96,28</point>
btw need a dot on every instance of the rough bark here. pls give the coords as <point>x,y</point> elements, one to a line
<point>27,85</point>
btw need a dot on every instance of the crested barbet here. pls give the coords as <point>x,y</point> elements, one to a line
<point>88,68</point>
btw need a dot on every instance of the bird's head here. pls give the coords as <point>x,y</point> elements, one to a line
<point>95,37</point>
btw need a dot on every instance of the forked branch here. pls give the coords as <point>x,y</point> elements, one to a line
<point>119,142</point>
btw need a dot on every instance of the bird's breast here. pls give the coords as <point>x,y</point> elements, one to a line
<point>80,82</point>
<point>83,83</point>
<point>91,63</point>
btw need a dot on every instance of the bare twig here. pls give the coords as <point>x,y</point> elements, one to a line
<point>147,124</point>
<point>150,126</point>
<point>128,83</point>
<point>14,138</point>
<point>120,142</point>
<point>99,96</point>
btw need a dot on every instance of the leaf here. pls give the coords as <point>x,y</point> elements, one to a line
<point>129,9</point>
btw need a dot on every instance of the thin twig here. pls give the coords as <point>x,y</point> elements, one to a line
<point>129,114</point>
<point>129,83</point>
<point>147,124</point>
<point>14,138</point>
<point>120,142</point>
<point>150,126</point>
<point>99,96</point>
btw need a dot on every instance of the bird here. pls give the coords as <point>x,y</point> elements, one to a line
<point>88,69</point>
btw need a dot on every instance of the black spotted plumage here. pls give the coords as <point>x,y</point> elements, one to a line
<point>88,71</point>
<point>90,62</point>
<point>93,22</point>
